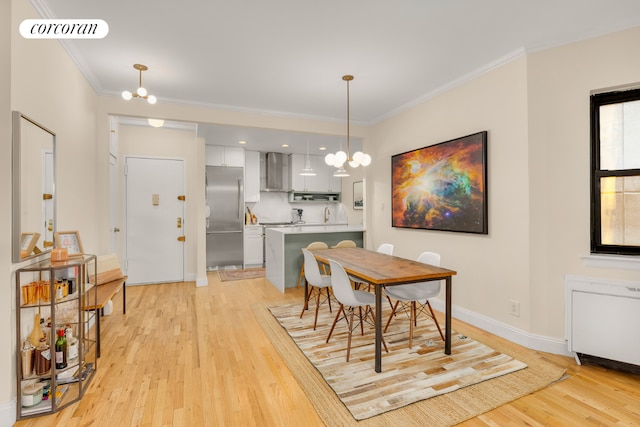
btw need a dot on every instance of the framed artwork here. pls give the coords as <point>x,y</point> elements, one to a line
<point>358,195</point>
<point>70,240</point>
<point>442,186</point>
<point>28,242</point>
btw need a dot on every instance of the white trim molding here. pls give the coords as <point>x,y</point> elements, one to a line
<point>518,336</point>
<point>624,262</point>
<point>8,413</point>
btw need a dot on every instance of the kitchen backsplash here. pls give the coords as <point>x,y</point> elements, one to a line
<point>275,207</point>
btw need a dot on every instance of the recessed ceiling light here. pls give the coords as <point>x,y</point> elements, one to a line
<point>242,142</point>
<point>285,145</point>
<point>156,123</point>
<point>322,148</point>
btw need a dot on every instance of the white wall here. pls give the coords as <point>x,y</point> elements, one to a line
<point>493,268</point>
<point>46,86</point>
<point>559,84</point>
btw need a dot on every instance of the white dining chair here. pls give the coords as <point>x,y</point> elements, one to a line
<point>351,299</point>
<point>385,248</point>
<point>414,297</point>
<point>317,282</point>
<point>312,245</point>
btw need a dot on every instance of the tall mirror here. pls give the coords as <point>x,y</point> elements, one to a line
<point>33,195</point>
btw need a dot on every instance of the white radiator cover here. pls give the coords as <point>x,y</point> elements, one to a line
<point>603,318</point>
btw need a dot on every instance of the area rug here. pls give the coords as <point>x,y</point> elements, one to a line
<point>248,273</point>
<point>421,386</point>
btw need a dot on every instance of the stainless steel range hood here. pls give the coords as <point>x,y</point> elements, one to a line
<point>275,176</point>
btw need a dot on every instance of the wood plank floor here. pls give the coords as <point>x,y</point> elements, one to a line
<point>187,356</point>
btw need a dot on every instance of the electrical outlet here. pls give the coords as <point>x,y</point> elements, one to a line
<point>515,308</point>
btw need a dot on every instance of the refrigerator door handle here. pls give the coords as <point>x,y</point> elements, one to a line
<point>240,207</point>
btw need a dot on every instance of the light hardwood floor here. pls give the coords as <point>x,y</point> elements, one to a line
<point>187,356</point>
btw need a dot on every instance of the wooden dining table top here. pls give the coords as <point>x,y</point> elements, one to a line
<point>381,269</point>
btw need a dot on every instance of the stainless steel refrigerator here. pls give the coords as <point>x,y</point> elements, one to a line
<point>224,216</point>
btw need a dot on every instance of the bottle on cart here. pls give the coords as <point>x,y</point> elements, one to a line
<point>61,350</point>
<point>72,345</point>
<point>43,357</point>
<point>28,355</point>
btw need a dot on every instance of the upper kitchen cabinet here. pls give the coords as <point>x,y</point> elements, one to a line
<point>323,181</point>
<point>252,177</point>
<point>326,180</point>
<point>217,155</point>
<point>297,181</point>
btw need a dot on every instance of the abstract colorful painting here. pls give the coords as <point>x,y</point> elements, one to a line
<point>442,187</point>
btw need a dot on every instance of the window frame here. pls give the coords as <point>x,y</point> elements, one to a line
<point>596,101</point>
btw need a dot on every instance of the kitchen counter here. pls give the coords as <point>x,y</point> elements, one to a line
<point>283,248</point>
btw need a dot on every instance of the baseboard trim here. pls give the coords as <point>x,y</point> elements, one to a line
<point>202,281</point>
<point>8,414</point>
<point>518,336</point>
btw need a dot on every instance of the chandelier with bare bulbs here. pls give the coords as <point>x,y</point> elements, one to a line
<point>340,158</point>
<point>141,92</point>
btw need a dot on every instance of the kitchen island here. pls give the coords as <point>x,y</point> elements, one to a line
<point>283,248</point>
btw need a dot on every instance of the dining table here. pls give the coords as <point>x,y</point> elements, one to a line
<point>382,270</point>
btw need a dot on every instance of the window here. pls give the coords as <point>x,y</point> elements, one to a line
<point>615,172</point>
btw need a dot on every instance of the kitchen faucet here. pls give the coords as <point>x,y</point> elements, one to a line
<point>327,212</point>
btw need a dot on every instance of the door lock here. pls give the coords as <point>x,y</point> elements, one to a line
<point>179,222</point>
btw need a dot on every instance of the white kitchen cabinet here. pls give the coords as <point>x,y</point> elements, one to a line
<point>252,177</point>
<point>253,246</point>
<point>323,181</point>
<point>297,181</point>
<point>217,155</point>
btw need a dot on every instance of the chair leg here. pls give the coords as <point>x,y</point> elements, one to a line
<point>351,331</point>
<point>340,310</point>
<point>435,320</point>
<point>300,276</point>
<point>393,312</point>
<point>315,320</point>
<point>412,318</point>
<point>361,322</point>
<point>306,301</point>
<point>373,320</point>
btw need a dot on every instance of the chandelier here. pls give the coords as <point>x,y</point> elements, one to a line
<point>141,92</point>
<point>338,159</point>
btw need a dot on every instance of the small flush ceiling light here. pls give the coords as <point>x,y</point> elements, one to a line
<point>141,92</point>
<point>285,145</point>
<point>338,159</point>
<point>307,170</point>
<point>156,123</point>
<point>242,142</point>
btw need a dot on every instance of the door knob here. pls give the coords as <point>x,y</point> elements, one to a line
<point>116,229</point>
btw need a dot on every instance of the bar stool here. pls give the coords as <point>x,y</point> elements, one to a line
<point>345,244</point>
<point>312,245</point>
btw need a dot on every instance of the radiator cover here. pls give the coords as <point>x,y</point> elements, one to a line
<point>603,318</point>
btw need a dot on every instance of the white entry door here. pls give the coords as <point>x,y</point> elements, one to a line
<point>154,214</point>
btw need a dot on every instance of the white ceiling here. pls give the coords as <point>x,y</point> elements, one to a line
<point>287,57</point>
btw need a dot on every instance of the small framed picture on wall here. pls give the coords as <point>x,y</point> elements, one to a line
<point>358,195</point>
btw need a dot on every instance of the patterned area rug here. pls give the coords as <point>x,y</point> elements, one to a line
<point>448,389</point>
<point>248,273</point>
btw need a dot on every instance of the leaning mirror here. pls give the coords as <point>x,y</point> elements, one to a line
<point>33,192</point>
